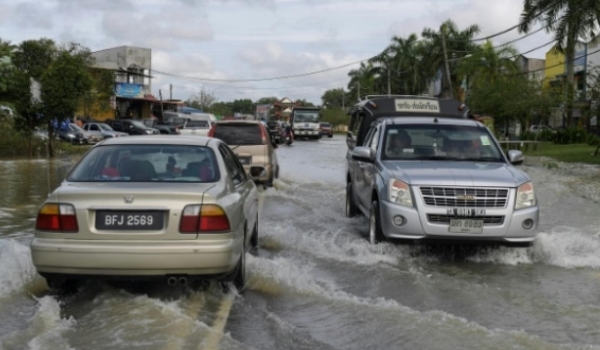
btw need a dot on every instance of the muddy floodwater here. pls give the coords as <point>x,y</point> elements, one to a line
<point>316,283</point>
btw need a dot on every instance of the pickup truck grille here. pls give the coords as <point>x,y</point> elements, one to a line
<point>445,219</point>
<point>479,197</point>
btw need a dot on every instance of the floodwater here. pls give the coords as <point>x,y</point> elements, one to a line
<point>318,284</point>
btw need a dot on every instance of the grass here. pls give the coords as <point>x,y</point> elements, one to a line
<point>576,153</point>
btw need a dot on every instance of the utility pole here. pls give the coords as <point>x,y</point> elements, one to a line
<point>162,112</point>
<point>170,91</point>
<point>389,73</point>
<point>442,31</point>
<point>343,99</point>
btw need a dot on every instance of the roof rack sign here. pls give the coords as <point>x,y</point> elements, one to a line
<point>413,105</point>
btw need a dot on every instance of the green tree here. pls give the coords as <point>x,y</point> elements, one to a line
<point>97,99</point>
<point>66,81</point>
<point>335,116</point>
<point>334,98</point>
<point>362,80</point>
<point>458,44</point>
<point>486,64</point>
<point>569,20</point>
<point>266,100</point>
<point>221,108</point>
<point>33,57</point>
<point>305,103</point>
<point>244,106</point>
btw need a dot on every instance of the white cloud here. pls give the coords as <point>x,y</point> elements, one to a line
<point>241,39</point>
<point>30,14</point>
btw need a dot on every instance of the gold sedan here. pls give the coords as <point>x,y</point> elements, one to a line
<point>171,208</point>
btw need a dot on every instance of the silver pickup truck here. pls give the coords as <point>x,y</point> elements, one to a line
<point>420,169</point>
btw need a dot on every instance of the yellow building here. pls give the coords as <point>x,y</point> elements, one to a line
<point>554,68</point>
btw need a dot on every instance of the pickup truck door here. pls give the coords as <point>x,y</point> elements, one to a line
<point>367,171</point>
<point>354,169</point>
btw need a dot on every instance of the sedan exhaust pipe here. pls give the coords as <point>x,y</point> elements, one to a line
<point>171,281</point>
<point>183,281</point>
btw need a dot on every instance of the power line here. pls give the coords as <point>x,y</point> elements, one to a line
<point>503,44</point>
<point>497,34</point>
<point>267,79</point>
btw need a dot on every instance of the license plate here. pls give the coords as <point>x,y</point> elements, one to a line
<point>245,160</point>
<point>466,226</point>
<point>467,211</point>
<point>129,220</point>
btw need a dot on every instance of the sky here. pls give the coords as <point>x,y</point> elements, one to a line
<point>199,41</point>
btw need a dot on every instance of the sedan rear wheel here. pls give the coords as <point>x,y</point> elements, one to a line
<point>254,237</point>
<point>239,280</point>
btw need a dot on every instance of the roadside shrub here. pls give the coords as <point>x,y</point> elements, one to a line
<point>527,136</point>
<point>570,136</point>
<point>593,140</point>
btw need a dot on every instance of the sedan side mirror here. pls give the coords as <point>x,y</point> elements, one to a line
<point>515,157</point>
<point>364,154</point>
<point>350,140</point>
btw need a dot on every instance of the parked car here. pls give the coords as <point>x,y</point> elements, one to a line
<point>420,170</point>
<point>104,129</point>
<point>71,133</point>
<point>132,127</point>
<point>172,209</point>
<point>163,128</point>
<point>198,127</point>
<point>539,128</point>
<point>326,129</point>
<point>252,144</point>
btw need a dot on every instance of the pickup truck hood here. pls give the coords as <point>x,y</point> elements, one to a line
<point>450,173</point>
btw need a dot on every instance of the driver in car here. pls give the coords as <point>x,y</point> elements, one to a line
<point>398,145</point>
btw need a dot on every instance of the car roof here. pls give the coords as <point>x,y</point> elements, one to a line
<point>238,121</point>
<point>159,139</point>
<point>421,120</point>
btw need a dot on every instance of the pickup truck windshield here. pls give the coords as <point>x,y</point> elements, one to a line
<point>439,142</point>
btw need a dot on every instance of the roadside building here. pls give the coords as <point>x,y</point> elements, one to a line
<point>132,68</point>
<point>282,109</point>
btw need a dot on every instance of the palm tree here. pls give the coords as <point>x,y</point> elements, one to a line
<point>407,65</point>
<point>487,63</point>
<point>458,44</point>
<point>361,79</point>
<point>569,20</point>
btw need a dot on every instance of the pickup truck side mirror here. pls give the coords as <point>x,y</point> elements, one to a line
<point>515,157</point>
<point>350,140</point>
<point>364,154</point>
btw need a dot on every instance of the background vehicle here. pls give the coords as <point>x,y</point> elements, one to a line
<point>163,128</point>
<point>305,122</point>
<point>252,144</point>
<point>539,128</point>
<point>326,129</point>
<point>422,171</point>
<point>104,129</point>
<point>149,208</point>
<point>72,134</point>
<point>275,131</point>
<point>132,127</point>
<point>199,127</point>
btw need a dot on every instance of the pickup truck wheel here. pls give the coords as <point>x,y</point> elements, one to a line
<point>254,237</point>
<point>375,233</point>
<point>351,209</point>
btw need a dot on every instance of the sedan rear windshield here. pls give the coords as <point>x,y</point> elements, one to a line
<point>440,142</point>
<point>147,163</point>
<point>239,134</point>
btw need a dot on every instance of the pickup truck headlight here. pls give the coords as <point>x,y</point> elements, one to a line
<point>149,131</point>
<point>525,196</point>
<point>399,193</point>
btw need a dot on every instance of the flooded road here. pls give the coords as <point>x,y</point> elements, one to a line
<point>318,284</point>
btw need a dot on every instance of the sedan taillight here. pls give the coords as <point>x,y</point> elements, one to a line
<point>206,218</point>
<point>57,218</point>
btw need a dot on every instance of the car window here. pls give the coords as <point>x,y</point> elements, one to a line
<point>231,164</point>
<point>147,163</point>
<point>105,127</point>
<point>369,135</point>
<point>94,127</point>
<point>374,140</point>
<point>197,124</point>
<point>239,134</point>
<point>439,142</point>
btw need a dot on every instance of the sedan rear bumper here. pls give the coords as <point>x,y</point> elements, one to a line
<point>134,258</point>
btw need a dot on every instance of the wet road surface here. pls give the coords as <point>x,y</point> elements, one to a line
<point>318,284</point>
